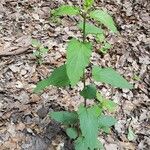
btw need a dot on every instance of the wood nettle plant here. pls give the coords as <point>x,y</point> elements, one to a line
<point>83,125</point>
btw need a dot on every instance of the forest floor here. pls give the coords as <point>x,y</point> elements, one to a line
<point>24,124</point>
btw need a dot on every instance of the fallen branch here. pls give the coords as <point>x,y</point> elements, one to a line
<point>15,52</point>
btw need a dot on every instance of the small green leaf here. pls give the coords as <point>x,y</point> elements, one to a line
<point>36,53</point>
<point>103,17</point>
<point>43,50</point>
<point>72,133</point>
<point>131,136</point>
<point>89,124</point>
<point>136,78</point>
<point>110,76</point>
<point>65,117</point>
<point>106,121</point>
<point>99,97</point>
<point>105,103</point>
<point>78,57</point>
<point>89,92</point>
<point>58,78</point>
<point>66,10</point>
<point>104,49</point>
<point>35,43</point>
<point>110,105</point>
<point>90,28</point>
<point>100,38</point>
<point>80,144</point>
<point>88,3</point>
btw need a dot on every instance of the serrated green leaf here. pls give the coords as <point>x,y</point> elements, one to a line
<point>89,92</point>
<point>90,28</point>
<point>89,124</point>
<point>65,117</point>
<point>58,78</point>
<point>78,57</point>
<point>72,133</point>
<point>131,136</point>
<point>103,17</point>
<point>66,10</point>
<point>106,121</point>
<point>110,76</point>
<point>80,144</point>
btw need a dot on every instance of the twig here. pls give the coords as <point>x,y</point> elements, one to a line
<point>16,52</point>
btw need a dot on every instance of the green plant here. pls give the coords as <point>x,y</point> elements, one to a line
<point>40,50</point>
<point>84,124</point>
<point>136,77</point>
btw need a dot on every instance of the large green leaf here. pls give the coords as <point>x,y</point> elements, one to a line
<point>58,78</point>
<point>89,124</point>
<point>66,10</point>
<point>103,17</point>
<point>110,76</point>
<point>78,57</point>
<point>90,28</point>
<point>89,92</point>
<point>65,117</point>
<point>72,133</point>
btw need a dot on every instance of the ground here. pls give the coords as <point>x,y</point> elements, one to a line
<point>24,123</point>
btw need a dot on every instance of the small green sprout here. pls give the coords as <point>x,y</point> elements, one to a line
<point>136,78</point>
<point>40,50</point>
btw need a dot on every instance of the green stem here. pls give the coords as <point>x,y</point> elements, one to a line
<point>84,22</point>
<point>84,38</point>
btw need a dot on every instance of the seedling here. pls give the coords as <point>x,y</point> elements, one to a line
<point>136,78</point>
<point>83,125</point>
<point>40,50</point>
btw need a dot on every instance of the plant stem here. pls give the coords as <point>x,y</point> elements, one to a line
<point>84,22</point>
<point>84,38</point>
